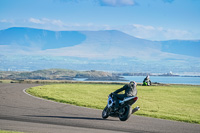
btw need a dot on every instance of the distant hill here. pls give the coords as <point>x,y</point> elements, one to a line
<point>58,74</point>
<point>110,50</point>
<point>87,43</point>
<point>182,47</point>
<point>38,38</point>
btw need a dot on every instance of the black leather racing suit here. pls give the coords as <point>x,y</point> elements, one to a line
<point>130,90</point>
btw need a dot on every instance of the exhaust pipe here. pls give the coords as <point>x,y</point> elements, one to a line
<point>135,109</point>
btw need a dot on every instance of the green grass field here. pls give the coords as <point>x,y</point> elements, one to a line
<point>173,102</point>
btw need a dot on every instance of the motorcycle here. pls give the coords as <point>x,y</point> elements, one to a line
<point>124,111</point>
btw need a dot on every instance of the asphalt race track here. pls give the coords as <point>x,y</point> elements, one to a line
<point>22,112</point>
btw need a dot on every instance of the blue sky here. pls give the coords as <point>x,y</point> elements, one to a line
<point>148,19</point>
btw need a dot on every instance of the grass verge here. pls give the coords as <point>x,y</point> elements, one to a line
<point>173,102</point>
<point>5,131</point>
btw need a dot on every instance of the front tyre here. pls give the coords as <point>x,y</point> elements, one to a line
<point>105,113</point>
<point>125,113</point>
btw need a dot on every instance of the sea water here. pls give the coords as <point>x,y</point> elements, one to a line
<point>166,79</point>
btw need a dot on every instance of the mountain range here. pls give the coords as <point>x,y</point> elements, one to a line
<point>24,48</point>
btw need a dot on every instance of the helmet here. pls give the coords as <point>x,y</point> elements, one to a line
<point>133,83</point>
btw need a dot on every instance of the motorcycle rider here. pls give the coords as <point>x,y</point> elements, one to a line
<point>147,81</point>
<point>130,90</point>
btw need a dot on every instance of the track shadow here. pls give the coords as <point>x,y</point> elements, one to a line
<point>70,117</point>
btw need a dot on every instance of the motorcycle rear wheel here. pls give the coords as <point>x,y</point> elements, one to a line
<point>126,113</point>
<point>105,113</point>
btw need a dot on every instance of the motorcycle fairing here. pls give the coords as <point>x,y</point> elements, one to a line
<point>129,100</point>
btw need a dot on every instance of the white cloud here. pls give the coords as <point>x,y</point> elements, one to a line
<point>6,21</point>
<point>154,33</point>
<point>104,2</point>
<point>138,26</point>
<point>3,21</point>
<point>58,25</point>
<point>174,33</point>
<point>37,21</point>
<point>57,22</point>
<point>117,2</point>
<point>47,21</point>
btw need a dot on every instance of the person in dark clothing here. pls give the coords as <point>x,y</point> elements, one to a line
<point>130,90</point>
<point>147,81</point>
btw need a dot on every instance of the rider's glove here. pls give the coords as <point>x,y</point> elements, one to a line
<point>112,94</point>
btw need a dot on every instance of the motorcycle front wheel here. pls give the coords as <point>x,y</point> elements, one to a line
<point>125,113</point>
<point>105,113</point>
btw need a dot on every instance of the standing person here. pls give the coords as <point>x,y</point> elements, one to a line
<point>147,81</point>
<point>130,90</point>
